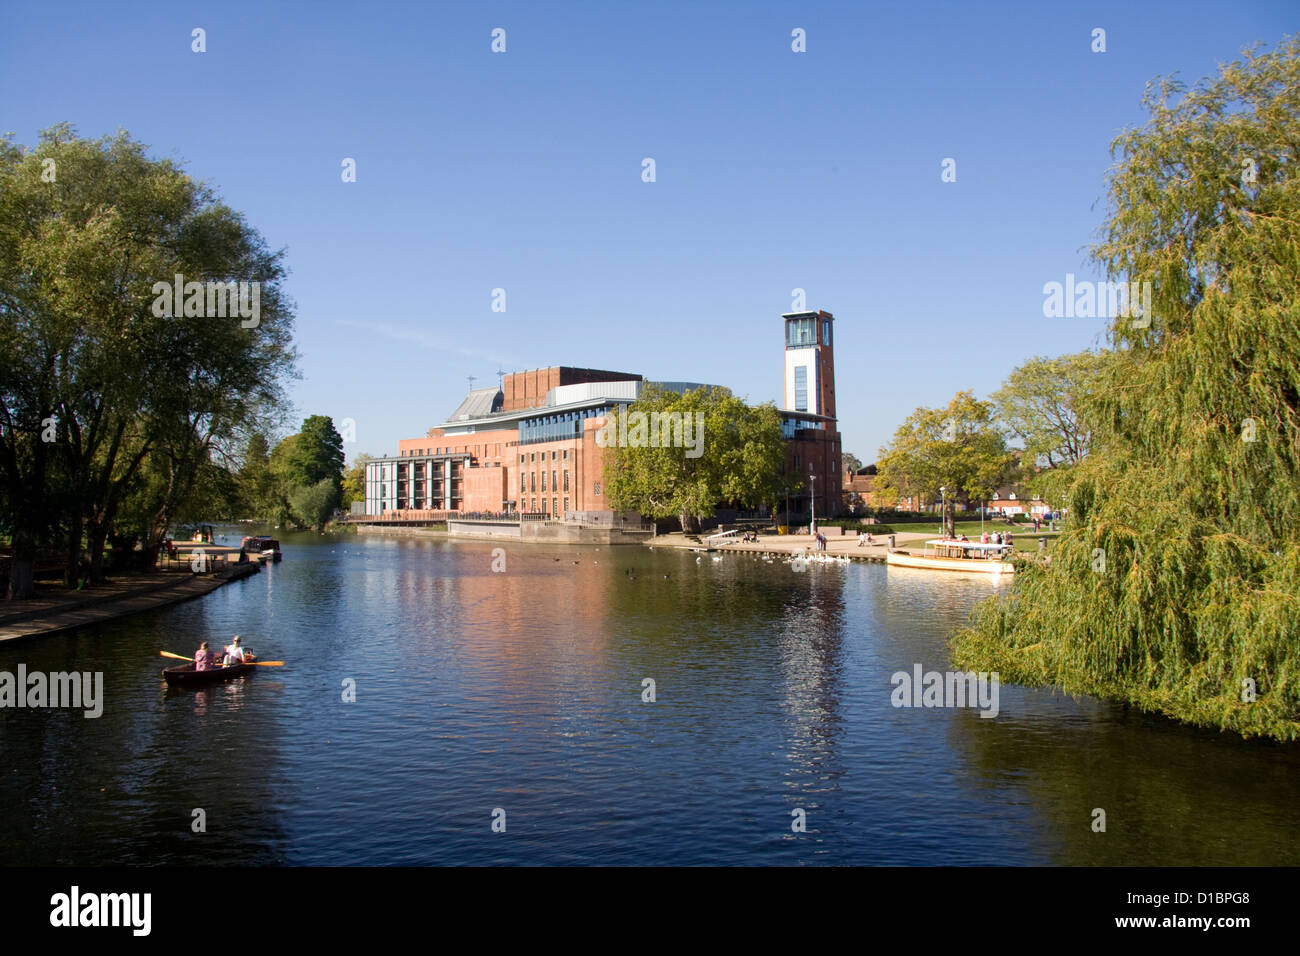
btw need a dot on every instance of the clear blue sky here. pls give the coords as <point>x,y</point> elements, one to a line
<point>775,170</point>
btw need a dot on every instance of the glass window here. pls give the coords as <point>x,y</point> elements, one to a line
<point>566,484</point>
<point>598,488</point>
<point>801,388</point>
<point>566,454</point>
<point>543,481</point>
<point>799,332</point>
<point>826,331</point>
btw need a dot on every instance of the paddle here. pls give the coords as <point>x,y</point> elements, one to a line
<point>258,663</point>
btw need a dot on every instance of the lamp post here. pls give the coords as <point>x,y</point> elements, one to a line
<point>813,500</point>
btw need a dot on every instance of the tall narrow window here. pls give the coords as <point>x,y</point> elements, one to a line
<point>801,388</point>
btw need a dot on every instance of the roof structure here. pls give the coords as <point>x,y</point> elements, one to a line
<point>479,403</point>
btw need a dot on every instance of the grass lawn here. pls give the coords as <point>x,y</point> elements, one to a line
<point>1022,536</point>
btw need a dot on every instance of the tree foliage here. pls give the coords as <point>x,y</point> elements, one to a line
<point>741,458</point>
<point>1040,405</point>
<point>957,448</point>
<point>299,465</point>
<point>1177,584</point>
<point>102,398</point>
<point>354,481</point>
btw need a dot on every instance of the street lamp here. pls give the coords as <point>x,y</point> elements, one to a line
<point>813,479</point>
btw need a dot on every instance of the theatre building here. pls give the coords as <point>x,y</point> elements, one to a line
<point>530,445</point>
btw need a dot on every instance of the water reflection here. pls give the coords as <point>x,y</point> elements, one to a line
<point>476,689</point>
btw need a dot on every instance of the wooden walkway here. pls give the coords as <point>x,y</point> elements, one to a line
<point>72,609</point>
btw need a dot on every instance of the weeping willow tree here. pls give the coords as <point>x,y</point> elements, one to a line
<point>1176,586</point>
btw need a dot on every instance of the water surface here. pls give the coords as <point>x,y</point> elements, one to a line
<point>523,690</point>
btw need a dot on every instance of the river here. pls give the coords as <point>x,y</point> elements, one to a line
<point>517,696</point>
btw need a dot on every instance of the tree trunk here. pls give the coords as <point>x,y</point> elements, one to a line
<point>72,571</point>
<point>98,535</point>
<point>22,578</point>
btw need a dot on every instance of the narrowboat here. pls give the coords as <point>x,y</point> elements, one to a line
<point>263,545</point>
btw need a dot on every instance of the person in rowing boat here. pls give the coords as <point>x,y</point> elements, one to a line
<point>236,654</point>
<point>202,657</point>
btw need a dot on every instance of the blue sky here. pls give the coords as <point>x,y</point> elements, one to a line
<point>521,170</point>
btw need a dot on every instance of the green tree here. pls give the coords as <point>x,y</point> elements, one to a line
<point>1040,403</point>
<point>299,464</point>
<point>257,485</point>
<point>739,458</point>
<point>354,482</point>
<point>313,504</point>
<point>94,381</point>
<point>1177,584</point>
<point>317,453</point>
<point>957,448</point>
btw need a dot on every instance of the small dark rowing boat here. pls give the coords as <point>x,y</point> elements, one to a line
<point>186,675</point>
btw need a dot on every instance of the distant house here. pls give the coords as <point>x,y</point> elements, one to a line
<point>1015,500</point>
<point>859,491</point>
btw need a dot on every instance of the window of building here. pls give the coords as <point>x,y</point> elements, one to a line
<point>566,482</point>
<point>801,388</point>
<point>555,485</point>
<point>532,482</point>
<point>598,488</point>
<point>521,459</point>
<point>799,333</point>
<point>555,507</point>
<point>552,456</point>
<point>543,481</point>
<point>566,454</point>
<point>826,331</point>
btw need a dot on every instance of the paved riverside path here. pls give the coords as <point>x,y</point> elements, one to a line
<point>63,610</point>
<point>841,547</point>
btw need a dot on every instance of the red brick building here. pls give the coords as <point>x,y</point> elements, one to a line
<point>530,445</point>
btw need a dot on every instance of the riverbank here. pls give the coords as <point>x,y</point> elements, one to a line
<point>66,609</point>
<point>784,545</point>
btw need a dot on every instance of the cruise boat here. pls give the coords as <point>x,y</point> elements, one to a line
<point>947,554</point>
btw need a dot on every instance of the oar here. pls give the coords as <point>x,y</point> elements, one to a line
<point>258,663</point>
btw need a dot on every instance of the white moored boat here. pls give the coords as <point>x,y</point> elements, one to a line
<point>945,554</point>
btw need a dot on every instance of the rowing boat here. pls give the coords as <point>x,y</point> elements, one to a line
<point>186,675</point>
